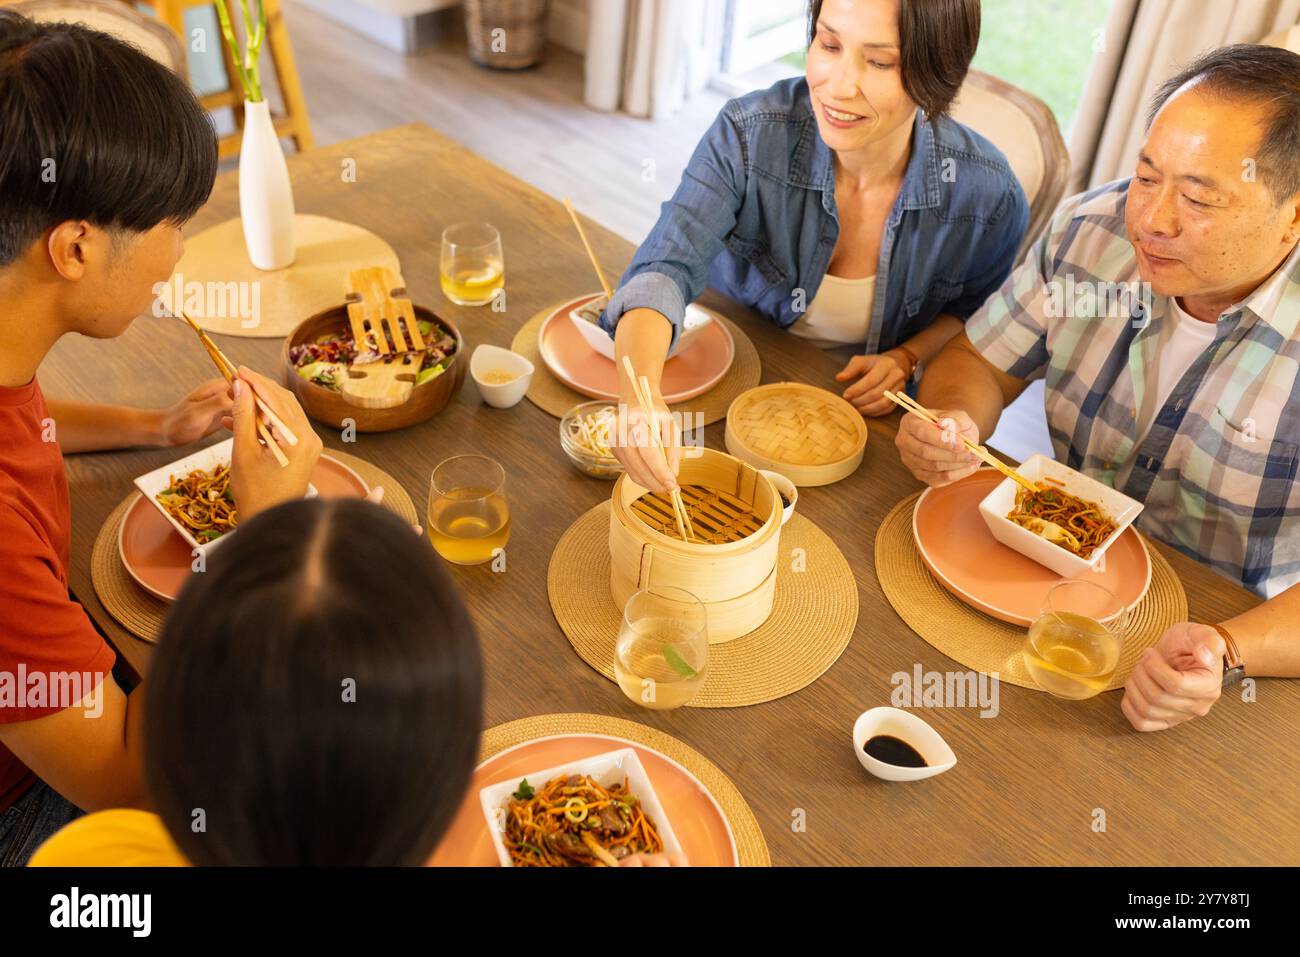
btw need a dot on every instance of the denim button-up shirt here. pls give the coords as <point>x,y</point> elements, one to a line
<point>755,218</point>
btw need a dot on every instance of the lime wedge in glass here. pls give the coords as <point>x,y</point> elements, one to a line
<point>677,662</point>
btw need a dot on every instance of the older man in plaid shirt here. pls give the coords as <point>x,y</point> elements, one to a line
<point>1163,311</point>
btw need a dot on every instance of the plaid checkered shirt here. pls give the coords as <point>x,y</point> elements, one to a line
<point>1217,469</point>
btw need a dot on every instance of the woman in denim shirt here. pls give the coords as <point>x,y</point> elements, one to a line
<point>844,206</point>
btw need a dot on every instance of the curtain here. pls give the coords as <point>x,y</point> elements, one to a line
<point>639,57</point>
<point>1144,43</point>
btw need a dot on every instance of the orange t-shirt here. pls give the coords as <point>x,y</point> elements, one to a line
<point>44,634</point>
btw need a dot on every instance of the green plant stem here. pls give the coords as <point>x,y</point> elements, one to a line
<point>246,60</point>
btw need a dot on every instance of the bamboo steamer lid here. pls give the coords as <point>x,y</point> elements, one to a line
<point>733,573</point>
<point>809,435</point>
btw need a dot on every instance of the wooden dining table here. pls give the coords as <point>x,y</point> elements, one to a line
<point>1046,781</point>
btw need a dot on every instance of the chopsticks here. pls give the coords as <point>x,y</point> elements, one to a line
<point>228,372</point>
<point>907,403</point>
<point>582,234</point>
<point>641,387</point>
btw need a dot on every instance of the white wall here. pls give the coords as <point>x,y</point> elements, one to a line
<point>568,26</point>
<point>391,22</point>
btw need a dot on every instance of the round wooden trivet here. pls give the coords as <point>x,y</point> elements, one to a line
<point>327,251</point>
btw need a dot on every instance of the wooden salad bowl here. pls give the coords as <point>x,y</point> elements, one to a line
<point>334,409</point>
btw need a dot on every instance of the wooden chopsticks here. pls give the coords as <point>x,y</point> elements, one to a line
<point>641,387</point>
<point>582,234</point>
<point>907,403</point>
<point>228,371</point>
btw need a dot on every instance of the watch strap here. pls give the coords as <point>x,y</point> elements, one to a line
<point>1234,667</point>
<point>913,361</point>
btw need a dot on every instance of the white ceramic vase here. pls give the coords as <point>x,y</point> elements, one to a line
<point>265,196</point>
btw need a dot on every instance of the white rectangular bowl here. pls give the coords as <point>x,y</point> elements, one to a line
<point>207,459</point>
<point>1002,500</point>
<point>609,768</point>
<point>696,321</point>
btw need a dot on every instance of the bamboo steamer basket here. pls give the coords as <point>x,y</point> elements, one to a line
<point>809,435</point>
<point>736,579</point>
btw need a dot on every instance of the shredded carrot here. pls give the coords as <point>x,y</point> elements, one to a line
<point>541,830</point>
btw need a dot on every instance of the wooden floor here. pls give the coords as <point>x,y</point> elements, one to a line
<point>534,124</point>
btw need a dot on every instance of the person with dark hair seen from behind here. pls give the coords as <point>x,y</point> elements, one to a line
<point>339,701</point>
<point>845,206</point>
<point>104,154</point>
<point>1182,391</point>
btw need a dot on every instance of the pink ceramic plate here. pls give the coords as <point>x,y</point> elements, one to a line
<point>158,558</point>
<point>686,375</point>
<point>967,560</point>
<point>698,822</point>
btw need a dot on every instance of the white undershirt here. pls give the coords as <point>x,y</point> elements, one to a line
<point>1181,343</point>
<point>841,313</point>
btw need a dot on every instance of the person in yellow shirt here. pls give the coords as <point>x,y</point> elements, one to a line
<point>315,699</point>
<point>117,838</point>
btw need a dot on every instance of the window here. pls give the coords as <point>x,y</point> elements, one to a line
<point>762,42</point>
<point>1043,46</point>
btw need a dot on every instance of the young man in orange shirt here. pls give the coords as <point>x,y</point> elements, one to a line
<point>104,154</point>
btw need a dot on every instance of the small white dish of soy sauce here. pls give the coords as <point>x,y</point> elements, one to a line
<point>896,745</point>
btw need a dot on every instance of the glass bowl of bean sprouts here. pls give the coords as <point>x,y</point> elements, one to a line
<point>587,435</point>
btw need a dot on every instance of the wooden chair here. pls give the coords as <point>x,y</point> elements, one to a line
<point>292,122</point>
<point>1024,128</point>
<point>114,18</point>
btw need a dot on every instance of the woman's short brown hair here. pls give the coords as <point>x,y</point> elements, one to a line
<point>937,40</point>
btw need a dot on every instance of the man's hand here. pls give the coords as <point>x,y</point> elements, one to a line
<point>1179,678</point>
<point>935,454</point>
<point>635,448</point>
<point>94,427</point>
<point>257,480</point>
<point>875,376</point>
<point>197,415</point>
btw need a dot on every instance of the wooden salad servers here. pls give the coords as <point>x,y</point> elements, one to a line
<point>379,311</point>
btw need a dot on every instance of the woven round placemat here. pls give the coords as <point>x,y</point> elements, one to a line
<point>985,644</point>
<point>326,251</point>
<point>140,612</point>
<point>813,613</point>
<point>751,848</point>
<point>554,397</point>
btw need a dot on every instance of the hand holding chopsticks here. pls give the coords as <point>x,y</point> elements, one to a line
<point>229,372</point>
<point>641,389</point>
<point>908,404</point>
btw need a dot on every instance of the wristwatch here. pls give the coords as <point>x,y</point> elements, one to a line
<point>1234,668</point>
<point>913,362</point>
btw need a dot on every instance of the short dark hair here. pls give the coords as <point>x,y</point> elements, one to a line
<point>247,711</point>
<point>92,128</point>
<point>937,41</point>
<point>1259,74</point>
